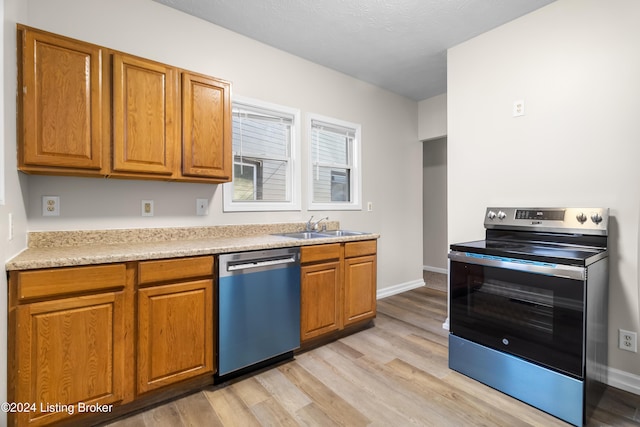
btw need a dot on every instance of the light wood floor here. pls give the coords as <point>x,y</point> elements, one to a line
<point>393,374</point>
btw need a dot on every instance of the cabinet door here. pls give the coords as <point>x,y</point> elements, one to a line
<point>320,299</point>
<point>61,104</point>
<point>359,289</point>
<point>145,116</point>
<point>175,333</point>
<point>206,127</point>
<point>69,351</point>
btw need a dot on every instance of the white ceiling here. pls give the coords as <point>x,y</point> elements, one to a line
<point>400,45</point>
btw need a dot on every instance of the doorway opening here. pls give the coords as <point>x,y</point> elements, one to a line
<point>434,210</point>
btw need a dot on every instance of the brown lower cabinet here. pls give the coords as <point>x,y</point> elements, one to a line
<point>92,338</point>
<point>67,350</point>
<point>359,289</point>
<point>175,322</point>
<point>320,290</point>
<point>338,287</point>
<point>116,337</point>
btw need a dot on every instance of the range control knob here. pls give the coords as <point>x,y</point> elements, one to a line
<point>581,217</point>
<point>491,214</point>
<point>501,215</point>
<point>596,218</point>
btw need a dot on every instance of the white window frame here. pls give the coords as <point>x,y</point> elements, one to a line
<point>294,190</point>
<point>355,183</point>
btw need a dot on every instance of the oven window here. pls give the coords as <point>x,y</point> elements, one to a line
<point>537,317</point>
<point>528,308</point>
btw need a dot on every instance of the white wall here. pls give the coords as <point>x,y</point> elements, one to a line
<point>11,11</point>
<point>432,117</point>
<point>576,63</point>
<point>4,216</point>
<point>432,129</point>
<point>434,211</point>
<point>391,153</point>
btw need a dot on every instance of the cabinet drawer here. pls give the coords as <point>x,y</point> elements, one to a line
<point>174,269</point>
<point>319,252</point>
<point>61,281</point>
<point>353,249</point>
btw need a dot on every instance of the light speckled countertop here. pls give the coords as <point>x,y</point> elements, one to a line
<point>73,248</point>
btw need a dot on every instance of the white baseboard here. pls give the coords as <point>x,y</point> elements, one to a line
<point>399,288</point>
<point>624,380</point>
<point>435,269</point>
<point>445,325</point>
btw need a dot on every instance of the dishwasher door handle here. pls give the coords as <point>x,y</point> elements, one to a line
<point>244,265</point>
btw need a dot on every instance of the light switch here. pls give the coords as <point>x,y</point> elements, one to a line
<point>147,208</point>
<point>202,206</point>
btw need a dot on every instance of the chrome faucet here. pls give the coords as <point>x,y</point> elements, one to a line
<point>314,226</point>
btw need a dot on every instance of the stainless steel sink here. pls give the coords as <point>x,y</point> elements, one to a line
<point>320,234</point>
<point>303,235</point>
<point>341,233</point>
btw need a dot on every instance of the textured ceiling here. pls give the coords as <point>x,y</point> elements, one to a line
<point>400,45</point>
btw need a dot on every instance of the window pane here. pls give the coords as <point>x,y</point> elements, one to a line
<point>254,136</point>
<point>334,159</point>
<point>260,179</point>
<point>266,142</point>
<point>244,181</point>
<point>330,147</point>
<point>331,185</point>
<point>261,146</point>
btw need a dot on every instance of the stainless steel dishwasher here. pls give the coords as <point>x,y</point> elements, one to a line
<point>259,308</point>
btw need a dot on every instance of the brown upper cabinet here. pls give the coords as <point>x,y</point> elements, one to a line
<point>145,116</point>
<point>88,110</point>
<point>206,117</point>
<point>61,105</point>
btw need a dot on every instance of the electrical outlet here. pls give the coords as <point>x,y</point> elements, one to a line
<point>202,205</point>
<point>50,206</point>
<point>147,208</point>
<point>628,340</point>
<point>518,108</point>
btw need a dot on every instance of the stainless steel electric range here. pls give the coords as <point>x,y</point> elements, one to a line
<point>528,307</point>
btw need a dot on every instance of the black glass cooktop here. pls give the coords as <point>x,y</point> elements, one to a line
<point>533,251</point>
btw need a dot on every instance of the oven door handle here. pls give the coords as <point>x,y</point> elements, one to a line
<point>534,267</point>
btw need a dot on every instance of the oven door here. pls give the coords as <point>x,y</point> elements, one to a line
<point>529,309</point>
